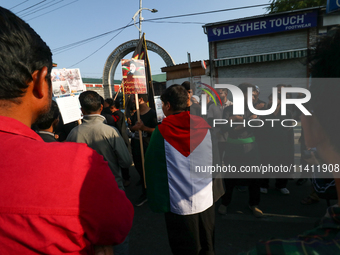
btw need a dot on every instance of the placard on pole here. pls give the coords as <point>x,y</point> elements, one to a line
<point>134,82</point>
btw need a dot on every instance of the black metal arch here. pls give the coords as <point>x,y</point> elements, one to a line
<point>122,50</point>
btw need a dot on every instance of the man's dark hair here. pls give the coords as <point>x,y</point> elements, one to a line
<point>22,52</point>
<point>47,119</point>
<point>325,104</point>
<point>109,101</point>
<point>244,87</point>
<point>144,96</point>
<point>102,100</point>
<point>116,104</point>
<point>90,101</point>
<point>187,86</point>
<point>177,96</point>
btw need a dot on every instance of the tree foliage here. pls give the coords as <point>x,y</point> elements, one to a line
<point>288,5</point>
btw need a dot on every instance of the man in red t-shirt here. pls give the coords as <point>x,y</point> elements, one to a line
<point>55,198</point>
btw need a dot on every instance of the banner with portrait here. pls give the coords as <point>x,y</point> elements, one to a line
<point>134,76</point>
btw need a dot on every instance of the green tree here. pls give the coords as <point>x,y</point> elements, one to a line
<point>288,5</point>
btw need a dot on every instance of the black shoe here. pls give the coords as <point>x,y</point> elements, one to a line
<point>141,200</point>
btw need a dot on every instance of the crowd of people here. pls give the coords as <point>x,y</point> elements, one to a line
<point>68,197</point>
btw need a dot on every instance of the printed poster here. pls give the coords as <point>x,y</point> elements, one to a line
<point>69,108</point>
<point>66,88</point>
<point>66,81</point>
<point>134,76</point>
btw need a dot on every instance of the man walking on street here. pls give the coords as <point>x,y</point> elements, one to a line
<point>101,137</point>
<point>241,150</point>
<point>181,142</point>
<point>219,139</point>
<point>147,125</point>
<point>121,126</point>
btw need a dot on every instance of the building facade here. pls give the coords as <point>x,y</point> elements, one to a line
<point>266,50</point>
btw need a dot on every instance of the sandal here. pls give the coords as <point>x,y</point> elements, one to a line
<point>309,201</point>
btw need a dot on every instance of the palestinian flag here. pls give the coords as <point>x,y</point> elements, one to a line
<point>177,146</point>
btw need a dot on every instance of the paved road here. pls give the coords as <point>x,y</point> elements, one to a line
<point>237,231</point>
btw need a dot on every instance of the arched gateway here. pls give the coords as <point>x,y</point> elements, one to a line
<point>120,52</point>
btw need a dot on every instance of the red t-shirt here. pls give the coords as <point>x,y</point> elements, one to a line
<point>56,198</point>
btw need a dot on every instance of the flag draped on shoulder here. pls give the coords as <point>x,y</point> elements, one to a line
<point>177,146</point>
<point>141,53</point>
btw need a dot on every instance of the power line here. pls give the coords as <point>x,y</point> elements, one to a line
<point>43,7</point>
<point>79,43</point>
<point>53,10</point>
<point>75,44</point>
<point>101,46</point>
<point>177,22</point>
<point>83,41</point>
<point>31,7</point>
<point>33,11</point>
<point>18,4</point>
<point>208,12</point>
<point>71,47</point>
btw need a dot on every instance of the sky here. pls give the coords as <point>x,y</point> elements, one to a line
<point>63,22</point>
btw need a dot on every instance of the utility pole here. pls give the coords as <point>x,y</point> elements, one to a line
<point>140,19</point>
<point>189,66</point>
<point>139,12</point>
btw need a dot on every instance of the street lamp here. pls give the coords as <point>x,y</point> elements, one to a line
<point>140,17</point>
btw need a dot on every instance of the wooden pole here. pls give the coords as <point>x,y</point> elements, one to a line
<point>116,94</point>
<point>140,138</point>
<point>120,86</point>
